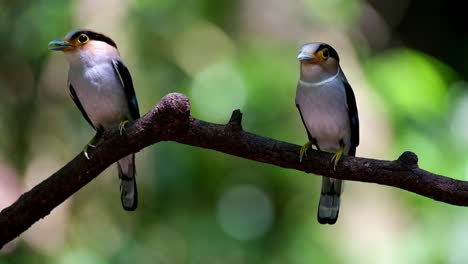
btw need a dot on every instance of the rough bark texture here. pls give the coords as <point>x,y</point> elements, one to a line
<point>170,120</point>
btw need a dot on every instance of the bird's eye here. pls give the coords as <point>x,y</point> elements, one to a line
<point>325,53</point>
<point>83,38</point>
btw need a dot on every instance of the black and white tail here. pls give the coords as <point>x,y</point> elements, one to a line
<point>128,187</point>
<point>329,204</point>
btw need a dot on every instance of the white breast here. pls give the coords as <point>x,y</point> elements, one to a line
<point>101,93</point>
<point>325,112</point>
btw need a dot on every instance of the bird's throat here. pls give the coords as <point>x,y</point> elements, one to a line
<point>317,73</point>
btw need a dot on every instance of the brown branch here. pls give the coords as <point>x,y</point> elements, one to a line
<point>170,120</point>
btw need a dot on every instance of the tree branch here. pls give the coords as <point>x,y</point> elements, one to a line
<point>170,120</point>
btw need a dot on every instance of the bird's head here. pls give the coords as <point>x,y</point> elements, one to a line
<point>318,61</point>
<point>86,45</point>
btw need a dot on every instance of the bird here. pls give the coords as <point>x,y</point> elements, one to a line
<point>102,88</point>
<point>328,110</point>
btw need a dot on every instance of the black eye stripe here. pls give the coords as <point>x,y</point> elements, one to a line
<point>93,36</point>
<point>320,47</point>
<point>331,51</point>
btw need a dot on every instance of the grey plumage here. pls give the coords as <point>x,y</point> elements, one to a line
<point>328,110</point>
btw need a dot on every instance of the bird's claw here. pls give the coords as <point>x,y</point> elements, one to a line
<point>86,154</point>
<point>91,144</point>
<point>122,126</point>
<point>85,149</point>
<point>337,156</point>
<point>304,149</point>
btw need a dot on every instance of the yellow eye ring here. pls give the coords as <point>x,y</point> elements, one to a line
<point>83,38</point>
<point>325,54</point>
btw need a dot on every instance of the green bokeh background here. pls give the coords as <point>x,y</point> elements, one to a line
<point>200,206</point>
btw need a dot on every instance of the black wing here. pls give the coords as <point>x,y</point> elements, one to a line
<point>127,83</point>
<point>78,104</point>
<point>302,118</point>
<point>353,118</point>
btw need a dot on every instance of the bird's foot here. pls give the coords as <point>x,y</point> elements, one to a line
<point>304,149</point>
<point>122,126</point>
<point>337,157</point>
<point>85,150</point>
<point>91,144</point>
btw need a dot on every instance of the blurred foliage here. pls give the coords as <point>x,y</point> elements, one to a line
<point>199,206</point>
<point>411,82</point>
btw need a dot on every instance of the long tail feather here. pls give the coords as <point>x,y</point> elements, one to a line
<point>128,187</point>
<point>329,205</point>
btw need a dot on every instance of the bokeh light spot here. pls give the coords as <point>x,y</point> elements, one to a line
<point>79,256</point>
<point>459,125</point>
<point>333,12</point>
<point>200,45</point>
<point>216,91</point>
<point>410,81</point>
<point>245,212</point>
